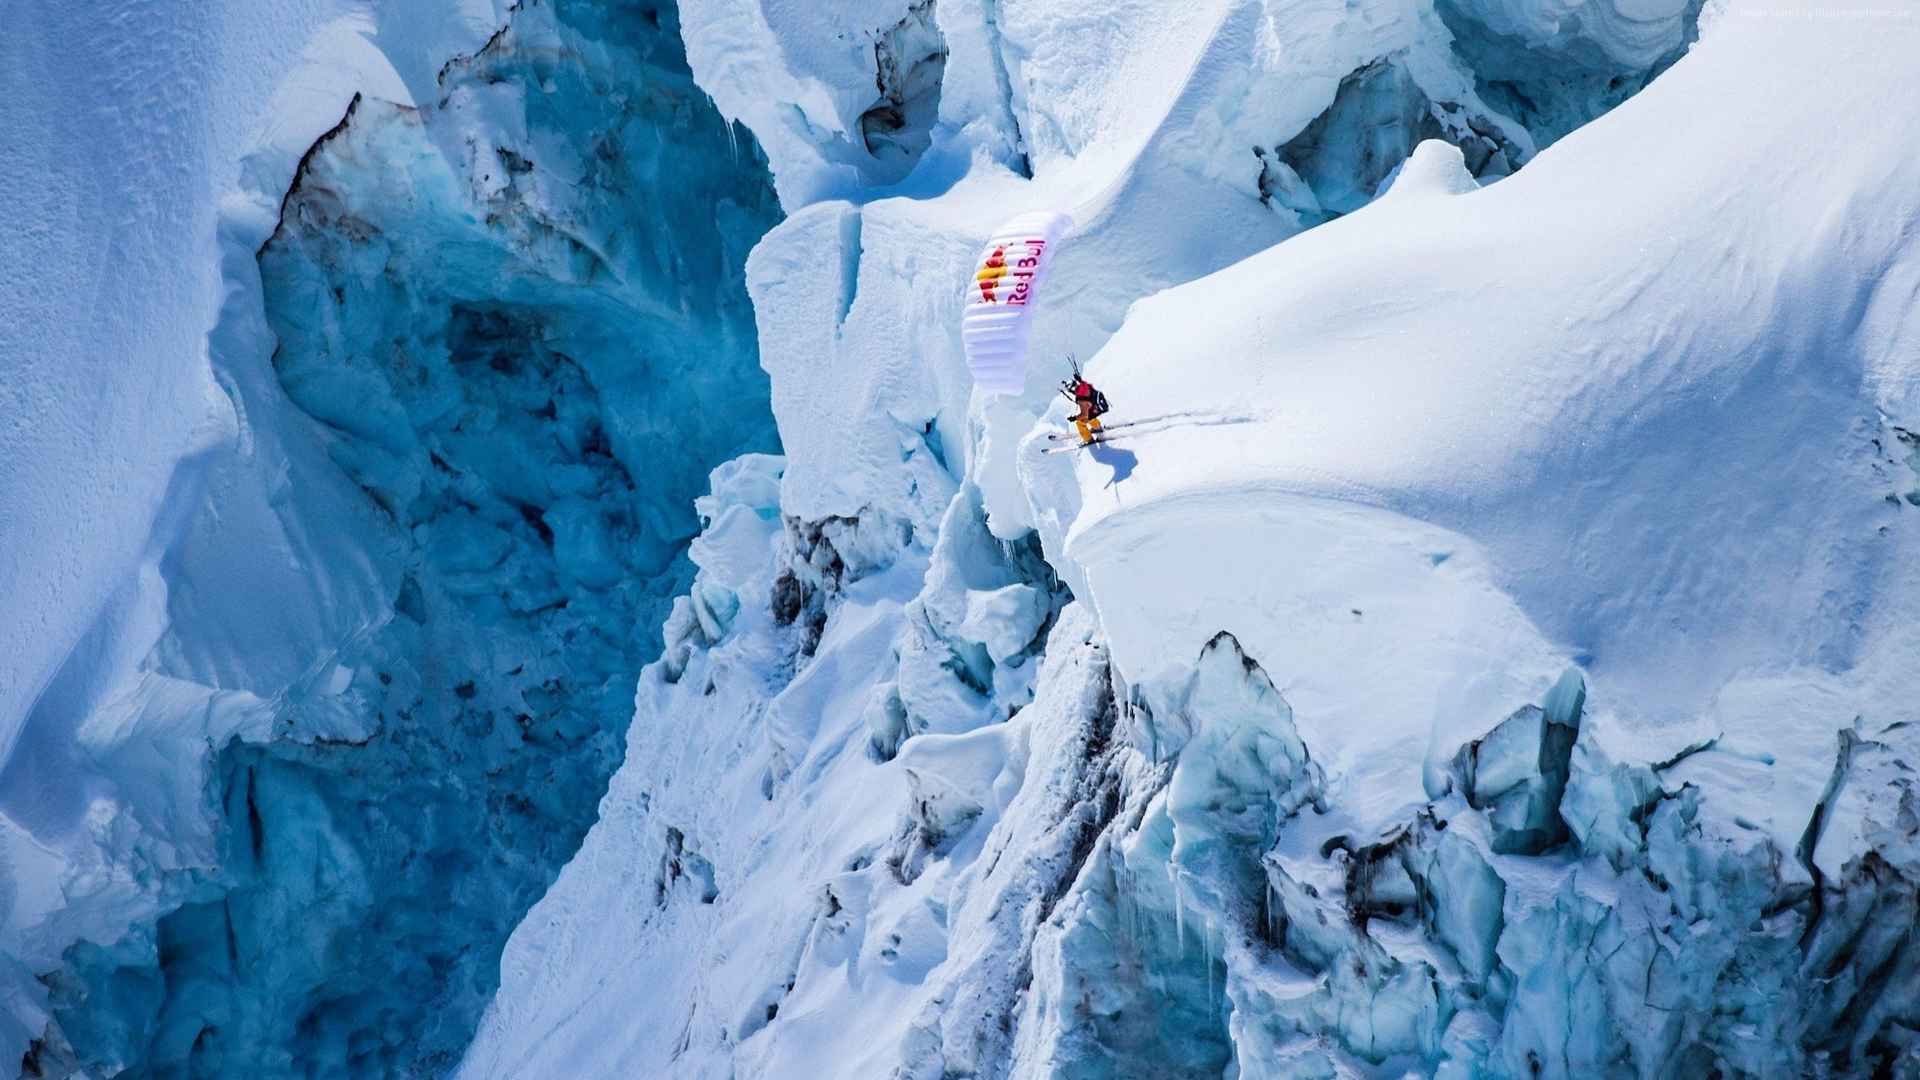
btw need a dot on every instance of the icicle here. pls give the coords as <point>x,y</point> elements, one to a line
<point>1206,949</point>
<point>1139,917</point>
<point>1179,909</point>
<point>1133,907</point>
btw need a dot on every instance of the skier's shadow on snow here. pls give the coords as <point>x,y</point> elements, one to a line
<point>1119,459</point>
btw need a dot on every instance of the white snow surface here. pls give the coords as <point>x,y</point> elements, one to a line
<point>1619,410</point>
<point>1628,412</point>
<point>1139,121</point>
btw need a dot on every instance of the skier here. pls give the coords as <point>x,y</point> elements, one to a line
<point>1090,401</point>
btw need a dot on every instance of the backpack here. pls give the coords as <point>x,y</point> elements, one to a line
<point>1099,402</point>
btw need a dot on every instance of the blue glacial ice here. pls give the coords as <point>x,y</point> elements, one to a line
<point>517,320</point>
<point>1303,756</point>
<point>1415,715</point>
<point>1554,70</point>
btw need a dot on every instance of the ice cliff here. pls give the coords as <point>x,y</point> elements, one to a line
<point>1485,655</point>
<point>1483,658</point>
<point>497,336</point>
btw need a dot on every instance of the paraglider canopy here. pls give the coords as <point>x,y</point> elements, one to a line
<point>1003,296</point>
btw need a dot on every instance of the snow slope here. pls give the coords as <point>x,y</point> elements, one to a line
<point>1452,537</point>
<point>1481,660</point>
<point>1508,431</point>
<point>1180,140</point>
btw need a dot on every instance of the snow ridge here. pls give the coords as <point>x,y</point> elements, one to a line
<point>1488,653</point>
<point>1338,759</point>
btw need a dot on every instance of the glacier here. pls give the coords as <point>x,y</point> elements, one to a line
<point>497,383</point>
<point>1388,721</point>
<point>1484,655</point>
<point>1420,694</point>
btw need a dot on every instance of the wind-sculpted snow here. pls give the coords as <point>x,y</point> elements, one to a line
<point>1486,652</point>
<point>773,749</point>
<point>1180,139</point>
<point>1478,463</point>
<point>481,304</point>
<point>1415,463</point>
<point>1453,672</point>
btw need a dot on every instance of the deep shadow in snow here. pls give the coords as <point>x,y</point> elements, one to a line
<point>1120,460</point>
<point>528,357</point>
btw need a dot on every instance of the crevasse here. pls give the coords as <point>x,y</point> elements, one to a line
<point>517,321</point>
<point>1435,690</point>
<point>1333,762</point>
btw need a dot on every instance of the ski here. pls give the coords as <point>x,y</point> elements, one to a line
<point>1057,435</point>
<point>1076,445</point>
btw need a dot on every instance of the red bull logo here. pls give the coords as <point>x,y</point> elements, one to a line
<point>996,268</point>
<point>990,274</point>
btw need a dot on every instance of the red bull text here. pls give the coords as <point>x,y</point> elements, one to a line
<point>996,267</point>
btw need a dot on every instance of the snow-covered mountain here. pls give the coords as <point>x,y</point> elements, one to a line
<point>1485,651</point>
